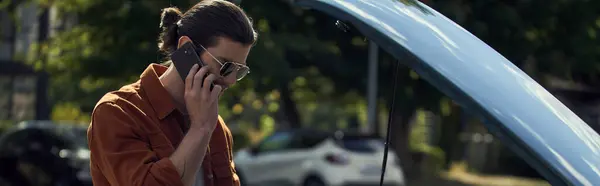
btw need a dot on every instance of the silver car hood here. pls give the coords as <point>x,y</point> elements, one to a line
<point>519,111</point>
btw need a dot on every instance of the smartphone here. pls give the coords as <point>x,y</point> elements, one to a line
<point>184,58</point>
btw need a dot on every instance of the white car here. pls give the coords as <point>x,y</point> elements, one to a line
<point>314,158</point>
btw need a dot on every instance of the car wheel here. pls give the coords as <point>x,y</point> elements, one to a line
<point>313,181</point>
<point>9,174</point>
<point>45,168</point>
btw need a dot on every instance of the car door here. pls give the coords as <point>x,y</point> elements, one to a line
<point>269,158</point>
<point>515,108</point>
<point>300,157</point>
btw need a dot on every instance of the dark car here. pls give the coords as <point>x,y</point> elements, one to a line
<point>44,153</point>
<point>514,107</point>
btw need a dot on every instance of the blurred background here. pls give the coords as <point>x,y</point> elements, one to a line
<point>310,72</point>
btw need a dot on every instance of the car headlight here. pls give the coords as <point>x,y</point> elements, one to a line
<point>83,154</point>
<point>78,154</point>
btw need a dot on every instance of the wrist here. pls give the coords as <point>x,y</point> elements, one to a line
<point>199,128</point>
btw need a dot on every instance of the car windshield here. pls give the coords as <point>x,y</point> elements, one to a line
<point>80,139</point>
<point>361,144</point>
<point>277,141</point>
<point>75,134</point>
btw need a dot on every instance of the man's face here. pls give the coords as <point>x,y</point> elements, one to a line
<point>225,51</point>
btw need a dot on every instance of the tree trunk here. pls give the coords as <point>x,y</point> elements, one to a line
<point>400,137</point>
<point>450,130</point>
<point>42,106</point>
<point>10,103</point>
<point>12,37</point>
<point>377,128</point>
<point>289,106</point>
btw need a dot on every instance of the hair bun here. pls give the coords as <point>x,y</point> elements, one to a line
<point>169,17</point>
<point>168,37</point>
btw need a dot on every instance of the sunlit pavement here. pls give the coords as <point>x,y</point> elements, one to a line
<point>457,175</point>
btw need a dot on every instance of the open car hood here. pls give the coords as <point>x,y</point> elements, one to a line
<point>519,111</point>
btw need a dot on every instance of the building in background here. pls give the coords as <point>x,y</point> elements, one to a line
<point>23,90</point>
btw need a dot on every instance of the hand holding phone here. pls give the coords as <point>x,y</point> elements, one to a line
<point>201,102</point>
<point>184,58</point>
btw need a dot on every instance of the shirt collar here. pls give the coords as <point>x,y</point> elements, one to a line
<point>159,98</point>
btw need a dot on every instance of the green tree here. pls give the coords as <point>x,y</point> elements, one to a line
<point>557,38</point>
<point>307,71</point>
<point>107,49</point>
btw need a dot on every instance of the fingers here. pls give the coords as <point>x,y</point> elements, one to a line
<point>198,77</point>
<point>207,81</point>
<point>214,95</point>
<point>195,79</point>
<point>189,80</point>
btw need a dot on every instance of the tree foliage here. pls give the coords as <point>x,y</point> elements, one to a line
<point>305,70</point>
<point>557,38</point>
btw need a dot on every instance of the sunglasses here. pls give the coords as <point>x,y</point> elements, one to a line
<point>227,68</point>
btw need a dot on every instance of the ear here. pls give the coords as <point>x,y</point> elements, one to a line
<point>183,40</point>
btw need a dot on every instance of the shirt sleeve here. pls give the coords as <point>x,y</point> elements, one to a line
<point>122,155</point>
<point>229,135</point>
<point>229,138</point>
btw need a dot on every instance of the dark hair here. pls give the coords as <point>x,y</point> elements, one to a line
<point>203,23</point>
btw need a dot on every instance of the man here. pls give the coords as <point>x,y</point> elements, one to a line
<point>162,130</point>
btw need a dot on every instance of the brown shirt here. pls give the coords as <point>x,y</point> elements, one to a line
<point>135,129</point>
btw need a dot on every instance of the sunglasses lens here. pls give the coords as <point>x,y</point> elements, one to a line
<point>227,69</point>
<point>242,72</point>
